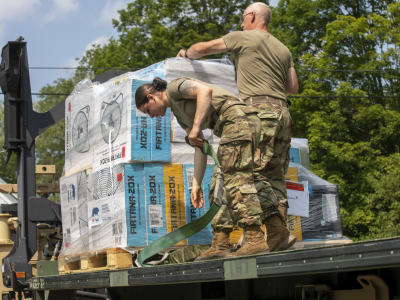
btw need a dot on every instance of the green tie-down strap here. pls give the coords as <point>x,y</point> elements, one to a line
<point>187,230</point>
<point>176,236</point>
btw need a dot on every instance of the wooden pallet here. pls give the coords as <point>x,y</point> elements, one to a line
<point>110,259</point>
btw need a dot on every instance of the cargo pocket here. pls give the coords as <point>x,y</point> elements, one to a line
<point>229,155</point>
<point>235,154</point>
<point>237,203</point>
<point>242,204</point>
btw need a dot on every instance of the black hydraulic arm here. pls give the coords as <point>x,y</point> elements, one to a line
<point>21,126</point>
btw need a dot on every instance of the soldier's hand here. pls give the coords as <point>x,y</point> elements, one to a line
<point>194,137</point>
<point>181,53</point>
<point>197,196</point>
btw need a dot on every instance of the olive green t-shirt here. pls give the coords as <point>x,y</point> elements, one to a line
<point>185,109</point>
<point>262,62</point>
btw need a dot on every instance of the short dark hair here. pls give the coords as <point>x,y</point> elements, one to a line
<point>158,85</point>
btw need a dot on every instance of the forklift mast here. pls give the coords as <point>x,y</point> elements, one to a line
<point>22,125</point>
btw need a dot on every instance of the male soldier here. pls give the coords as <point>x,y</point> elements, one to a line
<point>265,74</point>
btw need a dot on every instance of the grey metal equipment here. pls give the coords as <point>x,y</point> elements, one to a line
<point>373,288</point>
<point>22,125</point>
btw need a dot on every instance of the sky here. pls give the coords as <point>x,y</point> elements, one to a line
<point>58,31</point>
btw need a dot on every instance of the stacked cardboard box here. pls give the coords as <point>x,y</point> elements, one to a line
<point>104,128</point>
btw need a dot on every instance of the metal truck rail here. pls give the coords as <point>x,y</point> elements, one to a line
<point>281,275</point>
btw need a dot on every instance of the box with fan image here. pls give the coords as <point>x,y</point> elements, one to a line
<point>79,114</point>
<point>123,133</point>
<point>116,207</point>
<point>111,130</point>
<point>113,198</point>
<point>128,205</point>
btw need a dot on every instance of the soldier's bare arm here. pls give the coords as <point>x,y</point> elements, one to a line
<point>200,164</point>
<point>195,90</point>
<point>204,48</point>
<point>291,84</point>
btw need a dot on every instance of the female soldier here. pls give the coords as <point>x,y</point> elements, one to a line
<point>198,105</point>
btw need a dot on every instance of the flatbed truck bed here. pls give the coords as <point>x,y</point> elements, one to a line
<point>279,275</point>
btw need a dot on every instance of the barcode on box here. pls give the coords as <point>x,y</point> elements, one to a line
<point>155,216</point>
<point>189,177</point>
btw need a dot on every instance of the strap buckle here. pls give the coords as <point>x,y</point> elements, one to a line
<point>201,148</point>
<point>207,149</point>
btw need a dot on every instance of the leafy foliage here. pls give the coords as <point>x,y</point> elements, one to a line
<point>152,30</point>
<point>350,138</point>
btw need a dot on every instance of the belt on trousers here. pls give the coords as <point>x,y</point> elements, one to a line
<point>262,99</point>
<point>229,103</point>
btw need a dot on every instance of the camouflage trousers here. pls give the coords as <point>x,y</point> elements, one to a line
<point>272,160</point>
<point>240,132</point>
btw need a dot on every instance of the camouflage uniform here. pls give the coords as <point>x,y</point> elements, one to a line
<point>272,161</point>
<point>240,132</point>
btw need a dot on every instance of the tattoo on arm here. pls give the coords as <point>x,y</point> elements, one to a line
<point>187,89</point>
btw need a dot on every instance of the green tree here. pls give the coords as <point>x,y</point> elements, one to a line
<point>302,24</point>
<point>350,138</point>
<point>151,31</point>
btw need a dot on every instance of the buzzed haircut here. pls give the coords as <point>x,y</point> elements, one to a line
<point>262,10</point>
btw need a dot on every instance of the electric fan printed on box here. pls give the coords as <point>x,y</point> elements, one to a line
<point>80,130</point>
<point>111,115</point>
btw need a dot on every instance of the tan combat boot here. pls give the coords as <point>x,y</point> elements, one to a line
<point>283,211</point>
<point>220,246</point>
<point>255,243</point>
<point>279,237</point>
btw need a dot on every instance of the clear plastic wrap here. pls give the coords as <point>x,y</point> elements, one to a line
<point>210,71</point>
<point>299,152</point>
<point>128,177</point>
<point>79,115</point>
<point>323,225</point>
<point>74,211</point>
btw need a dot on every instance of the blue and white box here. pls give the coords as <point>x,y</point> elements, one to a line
<point>140,129</point>
<point>155,201</point>
<point>161,138</point>
<point>135,205</point>
<point>204,236</point>
<point>124,134</point>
